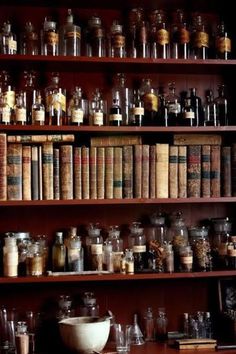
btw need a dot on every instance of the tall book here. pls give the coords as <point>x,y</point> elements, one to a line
<point>215,171</point>
<point>138,171</point>
<point>182,171</point>
<point>127,171</point>
<point>173,171</point>
<point>26,172</point>
<point>35,172</point>
<point>145,170</point>
<point>3,166</point>
<point>152,171</point>
<point>14,171</point>
<point>100,172</point>
<point>77,172</point>
<point>66,172</point>
<point>206,171</point>
<point>109,172</point>
<point>226,171</point>
<point>93,172</point>
<point>117,181</point>
<point>85,172</point>
<point>194,171</point>
<point>162,170</point>
<point>47,165</point>
<point>40,171</point>
<point>56,173</point>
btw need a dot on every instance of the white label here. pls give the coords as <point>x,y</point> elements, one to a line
<point>10,98</point>
<point>98,118</point>
<point>116,117</point>
<point>232,252</point>
<point>189,115</point>
<point>138,111</point>
<point>174,108</point>
<point>12,44</point>
<point>139,249</point>
<point>96,249</point>
<point>77,115</point>
<point>20,114</point>
<point>38,116</point>
<point>186,260</point>
<point>6,115</point>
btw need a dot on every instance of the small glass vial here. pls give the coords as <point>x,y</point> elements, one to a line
<point>117,41</point>
<point>115,115</point>
<point>10,257</point>
<point>38,110</point>
<point>222,42</point>
<point>29,44</point>
<point>49,38</point>
<point>58,254</point>
<point>22,338</point>
<point>97,109</point>
<point>20,109</point>
<point>161,324</point>
<point>5,111</point>
<point>70,37</point>
<point>186,259</point>
<point>149,326</point>
<point>129,261</point>
<point>8,39</point>
<point>34,260</point>
<point>221,102</point>
<point>137,110</point>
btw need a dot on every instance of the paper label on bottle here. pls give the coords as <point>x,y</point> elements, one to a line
<point>150,102</point>
<point>6,114</point>
<point>38,116</point>
<point>51,38</point>
<point>223,44</point>
<point>174,108</point>
<point>73,254</point>
<point>115,117</point>
<point>10,98</point>
<point>163,36</point>
<point>232,252</point>
<point>72,34</point>
<point>138,111</point>
<point>20,114</point>
<point>201,40</point>
<point>139,248</point>
<point>96,248</point>
<point>62,100</point>
<point>12,44</point>
<point>129,267</point>
<point>98,118</point>
<point>186,259</point>
<point>77,115</point>
<point>189,115</point>
<point>184,36</point>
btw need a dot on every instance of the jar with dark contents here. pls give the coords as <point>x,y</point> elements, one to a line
<point>202,260</point>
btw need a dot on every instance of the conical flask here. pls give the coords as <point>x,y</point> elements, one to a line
<point>136,333</point>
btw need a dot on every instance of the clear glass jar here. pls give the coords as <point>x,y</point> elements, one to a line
<point>161,324</point>
<point>158,229</point>
<point>168,258</point>
<point>97,109</point>
<point>75,255</point>
<point>200,38</point>
<point>22,338</point>
<point>38,110</point>
<point>202,260</point>
<point>8,40</point>
<point>160,35</point>
<point>180,36</point>
<point>49,38</point>
<point>78,108</point>
<point>129,261</point>
<point>10,257</point>
<point>95,38</point>
<point>58,254</point>
<point>29,44</point>
<point>89,306</point>
<point>70,37</point>
<point>220,241</point>
<point>149,96</point>
<point>137,242</point>
<point>223,42</point>
<point>117,246</point>
<point>94,244</point>
<point>55,98</point>
<point>117,41</point>
<point>186,259</point>
<point>65,307</point>
<point>20,109</point>
<point>5,111</point>
<point>34,260</point>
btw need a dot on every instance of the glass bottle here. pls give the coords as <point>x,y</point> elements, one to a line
<point>180,36</point>
<point>108,257</point>
<point>196,103</point>
<point>117,246</point>
<point>49,37</point>
<point>186,259</point>
<point>115,114</point>
<point>75,256</point>
<point>30,92</point>
<point>89,306</point>
<point>58,254</point>
<point>34,260</point>
<point>29,44</point>
<point>8,91</point>
<point>22,338</point>
<point>222,42</point>
<point>5,111</point>
<point>221,102</point>
<point>200,38</point>
<point>201,249</point>
<point>38,110</point>
<point>78,108</point>
<point>161,324</point>
<point>149,325</point>
<point>10,257</point>
<point>168,258</point>
<point>221,235</point>
<point>137,242</point>
<point>210,117</point>
<point>158,230</point>
<point>70,37</point>
<point>160,37</point>
<point>188,118</point>
<point>129,261</point>
<point>162,109</point>
<point>95,38</point>
<point>150,98</point>
<point>173,106</point>
<point>137,110</point>
<point>186,329</point>
<point>20,109</point>
<point>120,85</point>
<point>97,109</point>
<point>117,45</point>
<point>94,244</point>
<point>65,307</point>
<point>142,39</point>
<point>8,39</point>
<point>55,97</point>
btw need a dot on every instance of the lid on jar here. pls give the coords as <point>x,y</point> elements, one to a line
<point>157,219</point>
<point>198,231</point>
<point>94,21</point>
<point>21,235</point>
<point>222,224</point>
<point>48,24</point>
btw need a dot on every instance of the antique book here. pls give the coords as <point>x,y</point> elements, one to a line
<point>77,172</point>
<point>109,172</point>
<point>14,171</point>
<point>118,180</point>
<point>206,171</point>
<point>47,165</point>
<point>152,171</point>
<point>54,138</point>
<point>56,173</point>
<point>66,172</point>
<point>35,172</point>
<point>194,171</point>
<point>182,171</point>
<point>162,170</point>
<point>100,172</point>
<point>215,171</point>
<point>93,172</point>
<point>3,166</point>
<point>115,140</point>
<point>226,181</point>
<point>138,171</point>
<point>26,172</point>
<point>173,171</point>
<point>197,139</point>
<point>145,170</point>
<point>127,171</point>
<point>40,172</point>
<point>85,172</point>
<point>196,343</point>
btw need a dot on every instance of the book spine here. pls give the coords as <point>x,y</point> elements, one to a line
<point>197,139</point>
<point>138,171</point>
<point>56,173</point>
<point>127,171</point>
<point>47,165</point>
<point>145,170</point>
<point>56,138</point>
<point>152,180</point>
<point>14,171</point>
<point>118,182</point>
<point>77,173</point>
<point>3,166</point>
<point>85,172</point>
<point>206,171</point>
<point>109,172</point>
<point>120,140</point>
<point>93,172</point>
<point>66,172</point>
<point>162,170</point>
<point>182,171</point>
<point>26,172</point>
<point>101,172</point>
<point>35,173</point>
<point>215,170</point>
<point>226,171</point>
<point>194,171</point>
<point>173,171</point>
<point>40,171</point>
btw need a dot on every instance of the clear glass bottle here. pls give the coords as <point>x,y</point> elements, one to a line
<point>186,259</point>
<point>58,254</point>
<point>137,242</point>
<point>129,261</point>
<point>22,338</point>
<point>95,38</point>
<point>117,246</point>
<point>90,306</point>
<point>97,109</point>
<point>34,260</point>
<point>186,329</point>
<point>220,242</point>
<point>222,42</point>
<point>38,110</point>
<point>158,229</point>
<point>168,258</point>
<point>65,307</point>
<point>115,114</point>
<point>70,37</point>
<point>149,96</point>
<point>137,110</point>
<point>160,47</point>
<point>108,257</point>
<point>200,38</point>
<point>149,325</point>
<point>210,116</point>
<point>29,43</point>
<point>75,255</point>
<point>10,257</point>
<point>196,103</point>
<point>117,41</point>
<point>161,324</point>
<point>55,97</point>
<point>188,118</point>
<point>201,248</point>
<point>221,102</point>
<point>29,92</point>
<point>8,91</point>
<point>173,105</point>
<point>78,109</point>
<point>94,244</point>
<point>180,36</point>
<point>20,109</point>
<point>8,39</point>
<point>142,39</point>
<point>49,37</point>
<point>5,111</point>
<point>120,85</point>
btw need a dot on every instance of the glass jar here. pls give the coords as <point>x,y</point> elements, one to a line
<point>49,38</point>
<point>89,305</point>
<point>10,257</point>
<point>58,254</point>
<point>202,260</point>
<point>149,96</point>
<point>94,244</point>
<point>220,241</point>
<point>29,44</point>
<point>117,45</point>
<point>70,36</point>
<point>75,255</point>
<point>137,242</point>
<point>158,230</point>
<point>34,260</point>
<point>168,258</point>
<point>161,324</point>
<point>95,38</point>
<point>117,246</point>
<point>186,259</point>
<point>129,261</point>
<point>65,307</point>
<point>22,338</point>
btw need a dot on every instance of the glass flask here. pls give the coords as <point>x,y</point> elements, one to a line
<point>70,37</point>
<point>29,44</point>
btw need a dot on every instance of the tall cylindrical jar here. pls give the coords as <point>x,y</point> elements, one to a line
<point>10,257</point>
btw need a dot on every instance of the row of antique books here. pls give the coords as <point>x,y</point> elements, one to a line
<point>59,169</point>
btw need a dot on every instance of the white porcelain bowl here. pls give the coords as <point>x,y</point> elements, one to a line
<point>85,334</point>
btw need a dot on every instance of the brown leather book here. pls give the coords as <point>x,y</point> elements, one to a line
<point>115,140</point>
<point>93,172</point>
<point>54,138</point>
<point>138,171</point>
<point>152,171</point>
<point>77,172</point>
<point>162,170</point>
<point>14,171</point>
<point>109,172</point>
<point>47,166</point>
<point>194,171</point>
<point>206,171</point>
<point>226,181</point>
<point>197,139</point>
<point>35,172</point>
<point>3,166</point>
<point>127,171</point>
<point>26,172</point>
<point>85,172</point>
<point>118,177</point>
<point>173,171</point>
<point>145,170</point>
<point>100,172</point>
<point>66,172</point>
<point>182,171</point>
<point>56,173</point>
<point>215,171</point>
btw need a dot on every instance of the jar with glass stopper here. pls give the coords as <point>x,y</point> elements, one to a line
<point>65,307</point>
<point>38,110</point>
<point>117,40</point>
<point>160,35</point>
<point>199,240</point>
<point>75,255</point>
<point>55,97</point>
<point>173,106</point>
<point>223,41</point>
<point>125,94</point>
<point>137,242</point>
<point>117,246</point>
<point>29,40</point>
<point>149,96</point>
<point>149,325</point>
<point>210,116</point>
<point>221,102</point>
<point>20,109</point>
<point>89,306</point>
<point>70,36</point>
<point>97,109</point>
<point>8,92</point>
<point>180,36</point>
<point>161,324</point>
<point>221,236</point>
<point>200,38</point>
<point>5,111</point>
<point>94,247</point>
<point>34,260</point>
<point>22,338</point>
<point>78,108</point>
<point>8,39</point>
<point>10,257</point>
<point>58,253</point>
<point>49,37</point>
<point>136,110</point>
<point>115,114</point>
<point>29,92</point>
